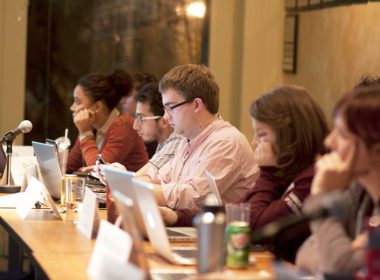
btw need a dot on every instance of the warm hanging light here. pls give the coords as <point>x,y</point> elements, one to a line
<point>196,9</point>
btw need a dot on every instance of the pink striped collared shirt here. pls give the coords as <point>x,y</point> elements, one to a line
<point>222,150</point>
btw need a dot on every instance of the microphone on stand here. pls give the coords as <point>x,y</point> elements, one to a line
<point>330,206</point>
<point>24,127</point>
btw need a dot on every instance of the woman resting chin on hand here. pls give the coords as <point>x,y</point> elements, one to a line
<point>353,169</point>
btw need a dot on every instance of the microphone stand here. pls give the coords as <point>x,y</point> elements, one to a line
<point>8,188</point>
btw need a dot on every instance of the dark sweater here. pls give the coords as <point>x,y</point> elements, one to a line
<point>271,200</point>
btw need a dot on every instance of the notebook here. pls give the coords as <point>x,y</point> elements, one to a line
<point>121,181</point>
<point>49,166</point>
<point>155,228</point>
<point>138,255</point>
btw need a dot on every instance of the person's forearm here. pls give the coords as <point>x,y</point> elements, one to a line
<point>143,170</point>
<point>158,194</point>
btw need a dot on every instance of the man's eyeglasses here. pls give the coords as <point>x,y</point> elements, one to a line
<point>141,118</point>
<point>169,109</point>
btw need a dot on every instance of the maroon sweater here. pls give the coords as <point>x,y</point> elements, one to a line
<point>271,200</point>
<point>121,144</point>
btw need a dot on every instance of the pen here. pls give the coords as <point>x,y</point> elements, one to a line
<point>100,159</point>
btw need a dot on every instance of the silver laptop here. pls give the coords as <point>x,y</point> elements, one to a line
<point>214,188</point>
<point>49,166</point>
<point>155,226</point>
<point>121,181</point>
<point>138,255</point>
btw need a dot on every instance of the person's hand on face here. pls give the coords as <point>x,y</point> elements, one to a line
<point>263,143</point>
<point>334,172</point>
<point>84,119</point>
<point>265,155</point>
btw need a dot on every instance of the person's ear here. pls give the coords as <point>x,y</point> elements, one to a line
<point>163,122</point>
<point>198,102</point>
<point>98,106</point>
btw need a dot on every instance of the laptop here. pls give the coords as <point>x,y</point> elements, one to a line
<point>138,256</point>
<point>49,166</point>
<point>155,228</point>
<point>121,181</point>
<point>214,188</point>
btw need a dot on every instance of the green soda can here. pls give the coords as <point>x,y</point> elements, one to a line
<point>238,245</point>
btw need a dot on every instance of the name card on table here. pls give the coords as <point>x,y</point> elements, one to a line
<point>36,191</point>
<point>22,169</point>
<point>112,249</point>
<point>88,222</point>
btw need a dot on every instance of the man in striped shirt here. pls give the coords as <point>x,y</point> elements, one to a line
<point>151,126</point>
<point>190,96</point>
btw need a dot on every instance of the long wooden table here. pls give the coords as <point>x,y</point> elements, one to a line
<point>59,251</point>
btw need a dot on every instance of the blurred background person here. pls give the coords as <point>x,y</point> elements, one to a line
<point>128,102</point>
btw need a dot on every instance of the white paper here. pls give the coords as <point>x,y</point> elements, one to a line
<point>20,151</point>
<point>36,191</point>
<point>10,200</point>
<point>33,193</point>
<point>113,247</point>
<point>88,216</point>
<point>118,271</point>
<point>20,167</point>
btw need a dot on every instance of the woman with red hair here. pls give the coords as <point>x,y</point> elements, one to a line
<point>353,169</point>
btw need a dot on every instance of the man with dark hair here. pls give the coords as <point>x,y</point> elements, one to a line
<point>151,126</point>
<point>128,102</point>
<point>190,96</point>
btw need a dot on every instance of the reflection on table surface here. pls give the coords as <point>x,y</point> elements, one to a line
<point>59,251</point>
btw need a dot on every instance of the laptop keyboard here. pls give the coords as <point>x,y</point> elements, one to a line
<point>171,276</point>
<point>186,253</point>
<point>172,233</point>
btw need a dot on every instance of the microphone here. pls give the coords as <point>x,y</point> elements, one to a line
<point>331,206</point>
<point>24,127</point>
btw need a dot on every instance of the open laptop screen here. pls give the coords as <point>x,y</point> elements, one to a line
<point>49,166</point>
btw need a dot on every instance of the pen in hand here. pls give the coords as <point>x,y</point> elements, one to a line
<point>100,159</point>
